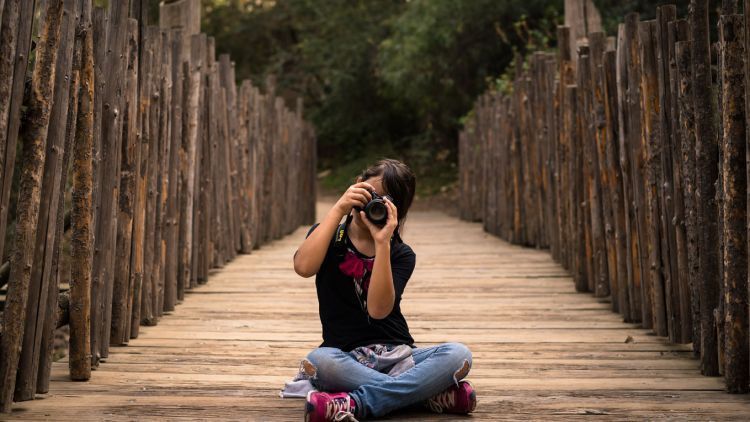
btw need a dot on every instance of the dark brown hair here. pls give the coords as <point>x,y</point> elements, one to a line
<point>398,181</point>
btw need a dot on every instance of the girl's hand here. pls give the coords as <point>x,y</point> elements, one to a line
<point>358,195</point>
<point>383,234</point>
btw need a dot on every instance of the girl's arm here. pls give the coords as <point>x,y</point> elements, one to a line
<point>381,294</point>
<point>310,255</point>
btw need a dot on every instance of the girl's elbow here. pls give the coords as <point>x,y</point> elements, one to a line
<point>379,312</point>
<point>303,270</point>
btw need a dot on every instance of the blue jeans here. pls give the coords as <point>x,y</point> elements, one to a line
<point>376,394</point>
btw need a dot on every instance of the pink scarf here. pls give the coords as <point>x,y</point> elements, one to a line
<point>357,268</point>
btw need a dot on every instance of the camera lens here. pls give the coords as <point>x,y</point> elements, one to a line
<point>377,212</point>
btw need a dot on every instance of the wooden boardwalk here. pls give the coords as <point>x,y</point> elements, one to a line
<point>541,350</point>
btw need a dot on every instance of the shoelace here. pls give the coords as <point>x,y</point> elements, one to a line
<point>337,405</point>
<point>442,401</point>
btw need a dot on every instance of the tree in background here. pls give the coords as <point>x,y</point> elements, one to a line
<point>381,77</point>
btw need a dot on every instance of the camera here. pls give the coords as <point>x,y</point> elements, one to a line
<point>376,210</point>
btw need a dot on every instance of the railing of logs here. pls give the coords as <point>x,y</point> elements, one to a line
<point>628,159</point>
<point>174,171</point>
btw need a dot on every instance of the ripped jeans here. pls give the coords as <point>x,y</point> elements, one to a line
<point>376,394</point>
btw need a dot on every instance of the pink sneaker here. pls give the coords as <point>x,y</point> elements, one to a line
<point>334,407</point>
<point>460,400</point>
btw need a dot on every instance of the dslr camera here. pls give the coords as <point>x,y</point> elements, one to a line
<point>376,210</point>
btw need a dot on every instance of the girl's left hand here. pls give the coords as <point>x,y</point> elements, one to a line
<point>383,234</point>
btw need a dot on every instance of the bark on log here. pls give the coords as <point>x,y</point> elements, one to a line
<point>128,163</point>
<point>17,23</point>
<point>56,269</point>
<point>81,242</point>
<point>35,127</point>
<point>707,174</point>
<point>734,173</point>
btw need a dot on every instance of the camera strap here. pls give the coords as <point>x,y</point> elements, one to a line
<point>339,241</point>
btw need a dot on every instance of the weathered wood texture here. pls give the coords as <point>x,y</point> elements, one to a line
<point>163,147</point>
<point>647,205</point>
<point>540,351</point>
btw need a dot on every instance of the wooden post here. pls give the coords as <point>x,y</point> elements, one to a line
<point>566,77</point>
<point>681,287</point>
<point>651,138</point>
<point>129,163</point>
<point>35,127</point>
<point>616,178</point>
<point>706,147</point>
<point>112,119</point>
<point>734,174</point>
<point>586,143</point>
<point>606,282</point>
<point>43,274</point>
<point>637,158</point>
<point>141,241</point>
<point>17,22</point>
<point>192,88</point>
<point>81,215</point>
<point>665,16</point>
<point>687,136</point>
<point>97,284</point>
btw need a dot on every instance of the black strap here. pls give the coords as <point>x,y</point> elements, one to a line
<point>339,241</point>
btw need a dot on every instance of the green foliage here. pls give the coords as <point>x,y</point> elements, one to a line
<point>443,52</point>
<point>381,77</point>
<point>614,11</point>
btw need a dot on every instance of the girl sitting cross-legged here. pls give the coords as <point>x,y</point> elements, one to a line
<point>368,365</point>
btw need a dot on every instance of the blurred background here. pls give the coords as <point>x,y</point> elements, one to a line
<point>388,77</point>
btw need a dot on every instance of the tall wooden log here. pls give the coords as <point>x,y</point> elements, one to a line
<point>9,27</point>
<point>665,15</point>
<point>97,284</point>
<point>615,178</point>
<point>630,145</point>
<point>734,174</point>
<point>192,87</point>
<point>678,32</point>
<point>17,22</point>
<point>607,278</point>
<point>587,148</point>
<point>706,147</point>
<point>129,160</point>
<point>170,183</point>
<point>43,287</point>
<point>112,119</point>
<point>81,242</point>
<point>35,127</point>
<point>687,136</point>
<point>140,243</point>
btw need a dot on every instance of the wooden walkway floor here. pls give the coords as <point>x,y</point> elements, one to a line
<point>541,351</point>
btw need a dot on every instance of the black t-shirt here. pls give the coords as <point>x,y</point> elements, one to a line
<point>345,324</point>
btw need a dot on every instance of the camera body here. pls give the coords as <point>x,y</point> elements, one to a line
<point>376,210</point>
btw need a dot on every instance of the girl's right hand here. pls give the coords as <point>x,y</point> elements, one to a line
<point>358,195</point>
